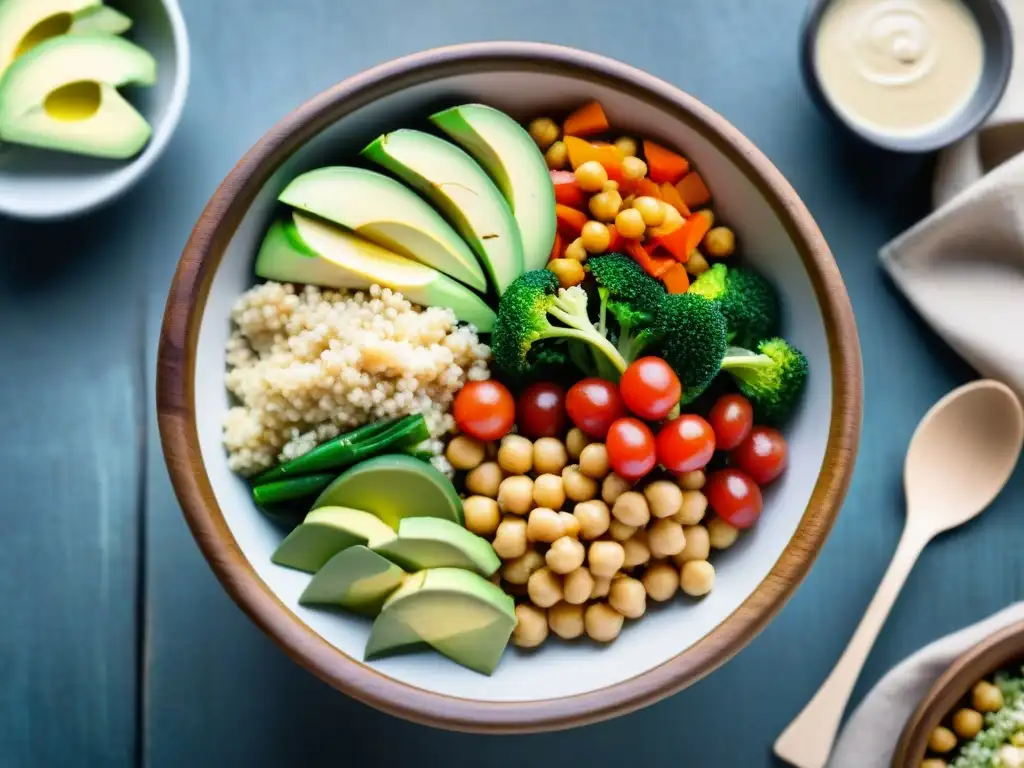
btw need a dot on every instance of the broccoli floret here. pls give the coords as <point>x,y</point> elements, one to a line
<point>693,332</point>
<point>632,297</point>
<point>525,315</point>
<point>748,301</point>
<point>772,378</point>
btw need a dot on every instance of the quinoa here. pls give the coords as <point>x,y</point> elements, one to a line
<point>307,364</point>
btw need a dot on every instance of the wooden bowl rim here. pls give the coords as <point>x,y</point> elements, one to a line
<point>178,431</point>
<point>980,660</point>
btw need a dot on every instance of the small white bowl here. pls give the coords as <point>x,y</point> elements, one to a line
<point>41,185</point>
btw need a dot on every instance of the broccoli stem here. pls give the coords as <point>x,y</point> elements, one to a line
<point>590,337</point>
<point>574,314</point>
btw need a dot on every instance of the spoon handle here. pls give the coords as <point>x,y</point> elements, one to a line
<point>807,742</point>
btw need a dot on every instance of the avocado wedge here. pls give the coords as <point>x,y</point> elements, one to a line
<point>431,542</point>
<point>324,533</point>
<point>356,578</point>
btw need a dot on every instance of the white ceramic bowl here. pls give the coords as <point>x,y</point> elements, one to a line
<point>564,683</point>
<point>41,185</point>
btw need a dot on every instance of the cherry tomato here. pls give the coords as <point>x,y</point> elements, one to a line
<point>762,455</point>
<point>686,443</point>
<point>732,418</point>
<point>593,404</point>
<point>484,410</point>
<point>540,411</point>
<point>650,388</point>
<point>734,496</point>
<point>630,445</point>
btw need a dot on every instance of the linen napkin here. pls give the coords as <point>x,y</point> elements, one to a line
<point>869,738</point>
<point>962,267</point>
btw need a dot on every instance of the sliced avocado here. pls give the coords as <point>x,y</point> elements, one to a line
<point>63,95</point>
<point>458,613</point>
<point>462,190</point>
<point>387,213</point>
<point>356,578</point>
<point>327,531</point>
<point>430,542</point>
<point>306,250</point>
<point>100,19</point>
<point>394,487</point>
<point>506,151</point>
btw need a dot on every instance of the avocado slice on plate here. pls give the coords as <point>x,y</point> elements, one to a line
<point>462,190</point>
<point>431,542</point>
<point>394,487</point>
<point>506,151</point>
<point>62,95</point>
<point>306,250</point>
<point>324,533</point>
<point>458,613</point>
<point>387,213</point>
<point>356,578</point>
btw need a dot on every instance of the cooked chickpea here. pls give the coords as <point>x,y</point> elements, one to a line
<point>626,145</point>
<point>651,209</point>
<point>604,206</point>
<point>987,697</point>
<point>697,577</point>
<point>518,571</point>
<point>566,620</point>
<point>692,481</point>
<point>605,558</point>
<point>594,461</point>
<point>628,596</point>
<point>697,265</point>
<point>557,156</point>
<point>603,623</point>
<point>613,487</point>
<point>721,534</point>
<point>693,508</point>
<point>602,585</point>
<point>515,455</point>
<point>664,498</point>
<point>631,508</point>
<point>719,242</point>
<point>570,525</point>
<point>619,531</point>
<point>708,214</point>
<point>531,626</point>
<point>548,491</point>
<point>636,550</point>
<point>575,442</point>
<point>661,581</point>
<point>510,538</point>
<point>593,518</point>
<point>698,545</point>
<point>933,762</point>
<point>568,271</point>
<point>633,168</point>
<point>578,486</point>
<point>485,479</point>
<point>628,200</point>
<point>578,586</point>
<point>967,723</point>
<point>591,176</point>
<point>544,588</point>
<point>482,515</point>
<point>630,224</point>
<point>941,740</point>
<point>464,452</point>
<point>665,538</point>
<point>610,186</point>
<point>596,237</point>
<point>515,494</point>
<point>549,456</point>
<point>565,555</point>
<point>544,525</point>
<point>576,251</point>
<point>544,131</point>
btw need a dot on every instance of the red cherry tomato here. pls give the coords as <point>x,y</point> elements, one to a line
<point>593,404</point>
<point>686,443</point>
<point>484,410</point>
<point>732,418</point>
<point>763,455</point>
<point>630,445</point>
<point>734,496</point>
<point>540,411</point>
<point>650,388</point>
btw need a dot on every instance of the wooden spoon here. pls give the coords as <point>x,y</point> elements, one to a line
<point>960,457</point>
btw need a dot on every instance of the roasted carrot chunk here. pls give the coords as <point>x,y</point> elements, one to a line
<point>675,278</point>
<point>675,242</point>
<point>588,120</point>
<point>671,196</point>
<point>646,187</point>
<point>567,189</point>
<point>570,221</point>
<point>556,248</point>
<point>655,266</point>
<point>664,165</point>
<point>608,155</point>
<point>695,228</point>
<point>615,244</point>
<point>693,190</point>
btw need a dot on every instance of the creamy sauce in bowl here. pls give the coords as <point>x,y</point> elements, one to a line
<point>899,67</point>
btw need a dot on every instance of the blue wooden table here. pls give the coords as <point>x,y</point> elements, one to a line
<point>117,645</point>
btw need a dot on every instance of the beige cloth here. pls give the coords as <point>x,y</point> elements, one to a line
<point>962,267</point>
<point>870,737</point>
